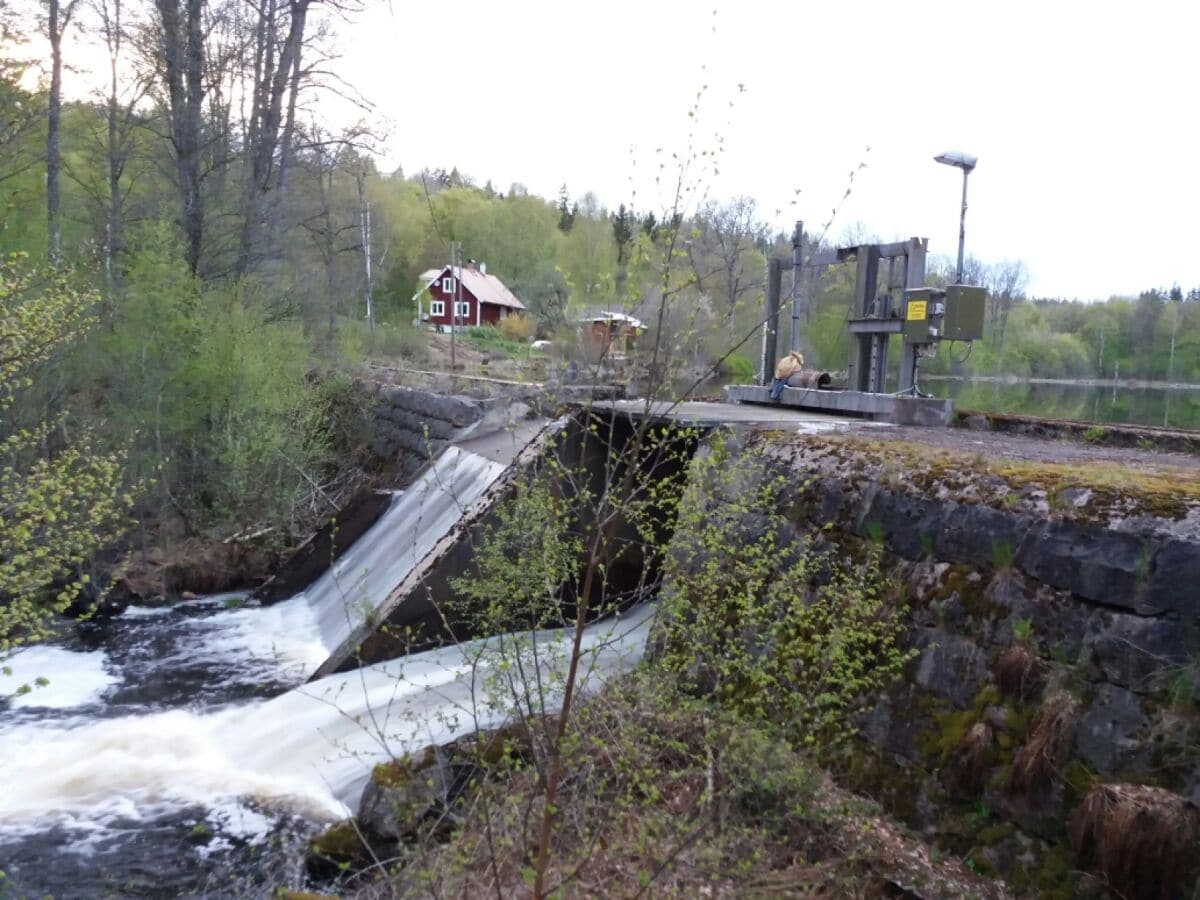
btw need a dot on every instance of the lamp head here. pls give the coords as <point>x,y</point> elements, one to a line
<point>959,160</point>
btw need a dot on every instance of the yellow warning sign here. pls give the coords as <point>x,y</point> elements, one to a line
<point>916,310</point>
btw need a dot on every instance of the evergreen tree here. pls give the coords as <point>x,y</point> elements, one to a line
<point>566,214</point>
<point>622,225</point>
<point>650,226</point>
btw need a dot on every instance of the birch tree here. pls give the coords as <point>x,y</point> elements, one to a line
<point>58,20</point>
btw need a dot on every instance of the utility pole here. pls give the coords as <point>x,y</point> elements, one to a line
<point>455,252</point>
<point>962,230</point>
<point>966,162</point>
<point>797,263</point>
<point>774,285</point>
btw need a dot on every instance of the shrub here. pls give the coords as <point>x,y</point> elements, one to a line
<point>405,342</point>
<point>738,367</point>
<point>215,391</point>
<point>772,629</point>
<point>517,328</point>
<point>55,509</point>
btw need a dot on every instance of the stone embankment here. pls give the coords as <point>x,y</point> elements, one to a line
<point>408,425</point>
<point>1048,722</point>
<point>1049,719</point>
<point>411,426</point>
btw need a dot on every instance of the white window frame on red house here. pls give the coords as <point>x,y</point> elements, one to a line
<point>437,307</point>
<point>448,285</point>
<point>462,309</point>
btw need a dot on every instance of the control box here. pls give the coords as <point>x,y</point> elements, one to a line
<point>965,306</point>
<point>954,313</point>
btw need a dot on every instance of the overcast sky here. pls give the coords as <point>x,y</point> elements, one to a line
<point>1083,115</point>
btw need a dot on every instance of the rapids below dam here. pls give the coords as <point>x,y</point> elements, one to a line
<point>181,750</point>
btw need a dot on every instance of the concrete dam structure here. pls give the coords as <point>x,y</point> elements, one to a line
<point>1051,613</point>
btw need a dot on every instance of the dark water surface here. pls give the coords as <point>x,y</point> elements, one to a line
<point>184,660</point>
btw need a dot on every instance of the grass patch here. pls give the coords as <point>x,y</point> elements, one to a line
<point>1116,486</point>
<point>487,339</point>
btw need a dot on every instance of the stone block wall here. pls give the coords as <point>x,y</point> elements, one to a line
<point>411,426</point>
<point>1057,630</point>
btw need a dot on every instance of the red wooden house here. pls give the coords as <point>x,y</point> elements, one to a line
<point>484,298</point>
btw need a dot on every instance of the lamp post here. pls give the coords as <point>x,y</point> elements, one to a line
<point>966,162</point>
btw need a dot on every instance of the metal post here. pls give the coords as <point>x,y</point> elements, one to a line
<point>914,277</point>
<point>797,263</point>
<point>866,273</point>
<point>771,334</point>
<point>962,230</point>
<point>763,374</point>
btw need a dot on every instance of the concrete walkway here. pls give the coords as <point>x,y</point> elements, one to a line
<point>710,415</point>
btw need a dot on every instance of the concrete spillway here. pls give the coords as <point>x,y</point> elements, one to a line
<point>376,579</point>
<point>348,598</point>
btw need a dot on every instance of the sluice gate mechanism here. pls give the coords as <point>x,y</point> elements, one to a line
<point>891,298</point>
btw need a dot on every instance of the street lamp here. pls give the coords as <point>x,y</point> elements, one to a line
<point>966,162</point>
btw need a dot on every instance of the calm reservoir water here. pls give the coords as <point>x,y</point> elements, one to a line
<point>1159,407</point>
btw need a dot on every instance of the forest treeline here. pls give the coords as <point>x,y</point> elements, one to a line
<point>223,247</point>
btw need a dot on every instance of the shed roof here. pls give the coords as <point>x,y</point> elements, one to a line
<point>486,288</point>
<point>613,316</point>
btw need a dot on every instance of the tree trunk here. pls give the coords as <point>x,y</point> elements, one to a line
<point>1174,332</point>
<point>194,210</point>
<point>364,225</point>
<point>329,252</point>
<point>285,149</point>
<point>56,25</point>
<point>183,67</point>
<point>114,242</point>
<point>269,145</point>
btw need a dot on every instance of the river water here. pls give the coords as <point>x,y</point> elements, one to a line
<point>1175,407</point>
<point>179,751</point>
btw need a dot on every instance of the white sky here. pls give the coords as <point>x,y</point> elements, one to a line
<point>1083,115</point>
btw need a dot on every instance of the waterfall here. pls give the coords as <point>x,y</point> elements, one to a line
<point>168,723</point>
<point>311,748</point>
<point>350,591</point>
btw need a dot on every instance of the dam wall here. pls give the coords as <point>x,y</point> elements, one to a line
<point>1054,612</point>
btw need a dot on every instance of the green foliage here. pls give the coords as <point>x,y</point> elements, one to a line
<point>215,392</point>
<point>776,633</point>
<point>517,328</point>
<point>521,564</point>
<point>738,368</point>
<point>57,506</point>
<point>386,343</point>
<point>1002,555</point>
<point>492,340</point>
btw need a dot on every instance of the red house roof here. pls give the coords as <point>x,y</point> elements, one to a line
<point>486,288</point>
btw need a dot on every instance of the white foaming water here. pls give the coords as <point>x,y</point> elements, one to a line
<point>284,635</point>
<point>311,749</point>
<point>96,781</point>
<point>145,612</point>
<point>73,679</point>
<point>417,518</point>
